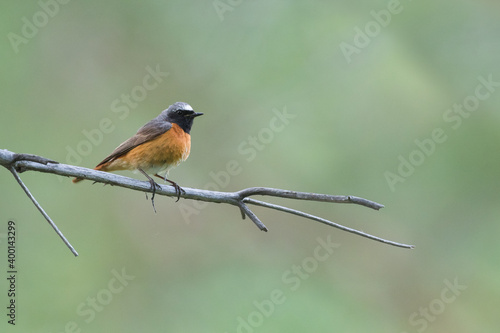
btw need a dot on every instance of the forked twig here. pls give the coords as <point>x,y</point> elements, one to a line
<point>324,221</point>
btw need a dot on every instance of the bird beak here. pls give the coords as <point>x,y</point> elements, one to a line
<point>196,114</point>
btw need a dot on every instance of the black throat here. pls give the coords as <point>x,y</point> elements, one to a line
<point>184,122</point>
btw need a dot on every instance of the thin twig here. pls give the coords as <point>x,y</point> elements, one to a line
<point>253,217</point>
<point>33,158</point>
<point>37,205</point>
<point>325,221</point>
<point>309,196</point>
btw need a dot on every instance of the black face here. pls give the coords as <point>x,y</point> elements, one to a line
<point>181,114</point>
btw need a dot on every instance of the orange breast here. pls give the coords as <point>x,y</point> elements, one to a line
<point>167,150</point>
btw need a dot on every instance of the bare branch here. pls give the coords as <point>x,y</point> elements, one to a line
<point>324,221</point>
<point>23,162</point>
<point>47,217</point>
<point>308,196</point>
<point>252,216</point>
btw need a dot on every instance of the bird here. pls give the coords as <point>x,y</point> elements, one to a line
<point>156,148</point>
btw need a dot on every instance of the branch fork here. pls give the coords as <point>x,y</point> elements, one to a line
<point>17,163</point>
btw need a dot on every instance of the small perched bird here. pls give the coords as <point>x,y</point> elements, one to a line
<point>157,147</point>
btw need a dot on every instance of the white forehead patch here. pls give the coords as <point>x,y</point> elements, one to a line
<point>187,107</point>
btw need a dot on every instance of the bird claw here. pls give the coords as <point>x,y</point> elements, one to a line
<point>154,185</point>
<point>178,190</point>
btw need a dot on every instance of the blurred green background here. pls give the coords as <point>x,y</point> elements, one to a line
<point>361,82</point>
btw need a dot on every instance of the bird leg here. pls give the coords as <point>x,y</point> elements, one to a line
<point>154,185</point>
<point>178,189</point>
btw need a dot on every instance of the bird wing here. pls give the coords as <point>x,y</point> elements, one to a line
<point>146,133</point>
